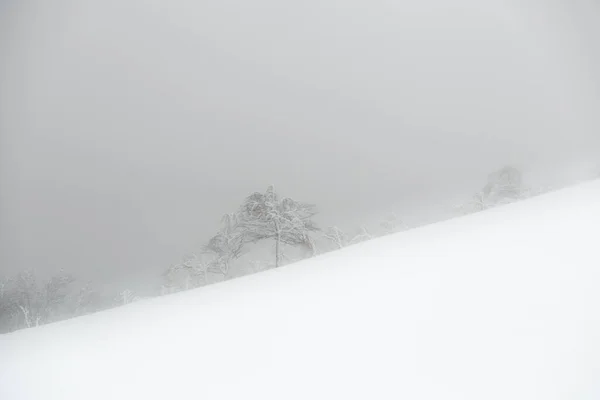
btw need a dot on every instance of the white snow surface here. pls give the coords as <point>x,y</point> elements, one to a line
<point>502,304</point>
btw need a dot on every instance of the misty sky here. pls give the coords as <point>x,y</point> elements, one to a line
<point>128,127</point>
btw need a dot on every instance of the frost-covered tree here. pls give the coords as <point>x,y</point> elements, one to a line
<point>126,296</point>
<point>5,298</point>
<point>262,216</point>
<point>362,236</point>
<point>26,302</point>
<point>87,300</point>
<point>392,224</point>
<point>8,312</point>
<point>4,282</point>
<point>503,186</point>
<point>479,202</point>
<point>41,303</point>
<point>336,236</point>
<point>191,272</point>
<point>265,216</point>
<point>226,245</point>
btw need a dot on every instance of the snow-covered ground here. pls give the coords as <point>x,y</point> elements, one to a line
<point>498,305</point>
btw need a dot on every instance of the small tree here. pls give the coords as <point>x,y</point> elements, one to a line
<point>337,236</point>
<point>503,186</point>
<point>191,272</point>
<point>86,300</point>
<point>392,224</point>
<point>267,216</point>
<point>362,236</point>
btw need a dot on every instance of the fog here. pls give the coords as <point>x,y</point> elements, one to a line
<point>128,127</point>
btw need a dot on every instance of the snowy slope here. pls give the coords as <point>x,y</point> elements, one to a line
<point>498,305</point>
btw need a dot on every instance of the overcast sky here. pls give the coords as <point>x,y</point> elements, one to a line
<point>128,127</point>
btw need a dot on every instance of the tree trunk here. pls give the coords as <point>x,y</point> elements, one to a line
<point>277,252</point>
<point>277,242</point>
